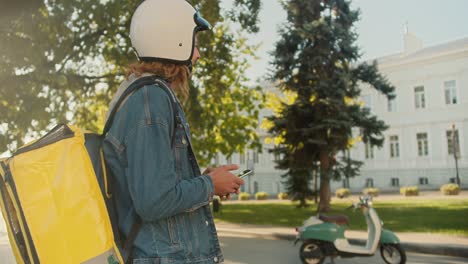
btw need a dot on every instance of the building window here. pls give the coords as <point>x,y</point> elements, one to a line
<point>255,156</point>
<point>242,158</point>
<point>367,99</point>
<point>423,145</point>
<point>450,88</point>
<point>423,181</point>
<point>217,159</point>
<point>276,156</point>
<point>391,105</point>
<point>229,160</point>
<point>452,180</point>
<point>278,187</point>
<point>256,187</point>
<point>394,147</point>
<point>453,142</point>
<point>419,97</point>
<point>345,183</point>
<point>369,151</point>
<point>370,183</point>
<point>395,182</point>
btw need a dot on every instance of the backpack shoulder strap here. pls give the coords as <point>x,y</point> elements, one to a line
<point>136,85</point>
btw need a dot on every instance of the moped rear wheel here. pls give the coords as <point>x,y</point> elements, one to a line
<point>311,253</point>
<point>393,254</point>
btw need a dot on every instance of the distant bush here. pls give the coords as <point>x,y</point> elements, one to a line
<point>450,189</point>
<point>243,196</point>
<point>261,196</point>
<point>342,193</point>
<point>374,192</point>
<point>283,196</point>
<point>409,191</point>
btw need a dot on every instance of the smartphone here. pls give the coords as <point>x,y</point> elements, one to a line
<point>245,173</point>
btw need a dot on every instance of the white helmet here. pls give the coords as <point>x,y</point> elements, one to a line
<point>164,30</point>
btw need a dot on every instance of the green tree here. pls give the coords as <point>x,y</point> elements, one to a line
<point>346,167</point>
<point>61,61</point>
<point>316,61</point>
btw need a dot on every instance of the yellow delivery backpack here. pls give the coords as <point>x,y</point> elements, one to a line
<point>52,203</point>
<point>57,199</point>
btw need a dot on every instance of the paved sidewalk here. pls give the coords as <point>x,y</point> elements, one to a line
<point>414,242</point>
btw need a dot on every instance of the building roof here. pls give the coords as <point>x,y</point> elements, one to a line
<point>446,48</point>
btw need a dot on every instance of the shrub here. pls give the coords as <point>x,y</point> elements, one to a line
<point>450,189</point>
<point>409,191</point>
<point>243,196</point>
<point>342,193</point>
<point>261,196</point>
<point>374,192</point>
<point>283,196</point>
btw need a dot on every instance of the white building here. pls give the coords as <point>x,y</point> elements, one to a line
<point>431,96</point>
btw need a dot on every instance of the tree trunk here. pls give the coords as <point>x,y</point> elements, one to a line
<point>324,204</point>
<point>302,203</point>
<point>315,186</point>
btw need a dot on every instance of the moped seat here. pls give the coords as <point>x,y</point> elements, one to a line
<point>337,219</point>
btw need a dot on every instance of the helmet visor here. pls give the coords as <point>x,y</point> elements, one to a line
<point>201,23</point>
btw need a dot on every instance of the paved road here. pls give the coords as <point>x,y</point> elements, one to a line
<point>247,250</point>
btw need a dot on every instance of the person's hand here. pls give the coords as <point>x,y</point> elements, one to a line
<point>224,181</point>
<point>207,170</point>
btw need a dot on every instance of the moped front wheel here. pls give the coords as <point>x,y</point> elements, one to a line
<point>393,254</point>
<point>311,253</point>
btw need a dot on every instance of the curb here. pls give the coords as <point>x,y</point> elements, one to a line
<point>445,250</point>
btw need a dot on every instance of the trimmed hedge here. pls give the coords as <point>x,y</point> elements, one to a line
<point>409,191</point>
<point>243,196</point>
<point>261,196</point>
<point>450,189</point>
<point>342,193</point>
<point>283,196</point>
<point>371,191</point>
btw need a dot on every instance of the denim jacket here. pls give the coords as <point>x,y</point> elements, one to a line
<point>161,184</point>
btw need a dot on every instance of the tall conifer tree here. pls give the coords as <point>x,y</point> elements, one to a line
<point>316,60</point>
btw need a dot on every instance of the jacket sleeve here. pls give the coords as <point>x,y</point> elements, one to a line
<point>151,174</point>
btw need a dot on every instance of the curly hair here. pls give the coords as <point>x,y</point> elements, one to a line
<point>177,75</point>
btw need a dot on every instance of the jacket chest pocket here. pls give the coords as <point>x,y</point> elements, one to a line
<point>181,153</point>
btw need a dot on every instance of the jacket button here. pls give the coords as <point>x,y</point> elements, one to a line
<point>215,259</point>
<point>206,222</point>
<point>184,141</point>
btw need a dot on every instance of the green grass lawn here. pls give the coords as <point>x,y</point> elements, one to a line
<point>434,216</point>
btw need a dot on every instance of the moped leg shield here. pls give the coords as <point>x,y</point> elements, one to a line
<point>388,237</point>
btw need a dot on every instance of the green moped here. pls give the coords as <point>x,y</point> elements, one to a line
<point>323,236</point>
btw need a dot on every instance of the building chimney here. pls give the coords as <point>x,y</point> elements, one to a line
<point>411,42</point>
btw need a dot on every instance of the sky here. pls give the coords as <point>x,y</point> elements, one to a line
<point>380,28</point>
